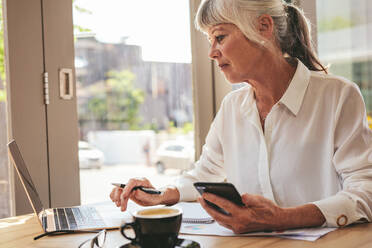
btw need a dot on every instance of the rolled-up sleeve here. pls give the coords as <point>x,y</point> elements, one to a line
<point>353,162</point>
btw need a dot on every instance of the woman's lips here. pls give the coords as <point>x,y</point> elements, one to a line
<point>223,66</point>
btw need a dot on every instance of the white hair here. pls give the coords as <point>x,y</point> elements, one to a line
<point>291,27</point>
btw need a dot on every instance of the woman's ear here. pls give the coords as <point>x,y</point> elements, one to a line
<point>266,26</point>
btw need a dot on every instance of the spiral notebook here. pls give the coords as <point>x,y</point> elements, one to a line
<point>193,213</point>
<point>206,220</point>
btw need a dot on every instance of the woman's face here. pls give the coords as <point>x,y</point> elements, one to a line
<point>237,57</point>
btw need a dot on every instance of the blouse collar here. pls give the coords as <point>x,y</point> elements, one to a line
<point>295,93</point>
<point>292,98</point>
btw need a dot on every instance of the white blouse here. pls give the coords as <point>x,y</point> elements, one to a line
<point>316,148</point>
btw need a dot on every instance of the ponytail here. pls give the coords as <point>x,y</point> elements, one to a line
<point>297,41</point>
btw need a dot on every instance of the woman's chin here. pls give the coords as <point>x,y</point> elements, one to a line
<point>233,80</point>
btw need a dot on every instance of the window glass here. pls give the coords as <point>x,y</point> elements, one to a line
<point>345,42</point>
<point>5,203</point>
<point>133,75</point>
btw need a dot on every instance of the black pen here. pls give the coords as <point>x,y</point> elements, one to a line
<point>146,190</point>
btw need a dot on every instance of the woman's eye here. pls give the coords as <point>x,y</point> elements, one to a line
<point>219,38</point>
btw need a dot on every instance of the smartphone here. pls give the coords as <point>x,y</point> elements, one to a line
<point>225,190</point>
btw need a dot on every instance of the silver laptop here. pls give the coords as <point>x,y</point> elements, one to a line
<point>56,219</point>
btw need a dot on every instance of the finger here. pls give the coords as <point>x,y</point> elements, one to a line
<point>123,202</point>
<point>219,217</point>
<point>128,190</point>
<point>117,194</point>
<point>144,182</point>
<point>254,200</point>
<point>221,202</point>
<point>136,182</point>
<point>132,183</point>
<point>144,199</point>
<point>112,193</point>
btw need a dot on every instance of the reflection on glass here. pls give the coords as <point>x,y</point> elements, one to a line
<point>5,204</point>
<point>345,42</point>
<point>133,74</point>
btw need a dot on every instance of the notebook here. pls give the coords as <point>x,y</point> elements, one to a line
<point>193,213</point>
<point>58,219</point>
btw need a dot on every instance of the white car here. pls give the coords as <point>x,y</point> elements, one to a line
<point>89,156</point>
<point>175,154</point>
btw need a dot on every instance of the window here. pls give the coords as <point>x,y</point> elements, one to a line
<point>47,134</point>
<point>134,89</point>
<point>345,42</point>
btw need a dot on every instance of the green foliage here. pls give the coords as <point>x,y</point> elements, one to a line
<point>187,127</point>
<point>151,126</point>
<point>81,29</point>
<point>2,96</point>
<point>81,10</point>
<point>118,103</point>
<point>77,28</point>
<point>336,23</point>
<point>98,107</point>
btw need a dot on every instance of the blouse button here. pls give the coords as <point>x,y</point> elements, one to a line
<point>342,220</point>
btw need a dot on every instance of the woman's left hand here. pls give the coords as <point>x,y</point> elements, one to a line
<point>258,214</point>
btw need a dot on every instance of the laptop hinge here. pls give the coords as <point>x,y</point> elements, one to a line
<point>44,219</point>
<point>46,87</point>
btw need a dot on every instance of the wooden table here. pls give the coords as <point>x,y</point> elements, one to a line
<point>19,232</point>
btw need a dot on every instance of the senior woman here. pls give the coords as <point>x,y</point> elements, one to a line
<point>295,138</point>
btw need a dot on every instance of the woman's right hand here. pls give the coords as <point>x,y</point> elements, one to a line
<point>120,196</point>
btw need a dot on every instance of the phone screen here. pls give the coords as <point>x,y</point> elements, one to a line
<point>225,190</point>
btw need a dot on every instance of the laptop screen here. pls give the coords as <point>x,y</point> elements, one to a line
<point>25,177</point>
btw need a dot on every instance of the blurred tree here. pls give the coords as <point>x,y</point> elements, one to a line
<point>185,129</point>
<point>78,28</point>
<point>116,105</point>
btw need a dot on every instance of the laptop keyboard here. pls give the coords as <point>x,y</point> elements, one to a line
<point>77,218</point>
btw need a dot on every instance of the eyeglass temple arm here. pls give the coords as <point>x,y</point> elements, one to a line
<point>61,232</point>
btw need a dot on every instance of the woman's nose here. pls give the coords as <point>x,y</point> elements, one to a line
<point>213,52</point>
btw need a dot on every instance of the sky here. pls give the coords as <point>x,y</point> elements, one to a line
<point>161,28</point>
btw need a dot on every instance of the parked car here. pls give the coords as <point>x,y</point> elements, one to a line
<point>174,154</point>
<point>89,156</point>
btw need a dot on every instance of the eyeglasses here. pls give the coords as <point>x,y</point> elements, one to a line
<point>97,241</point>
